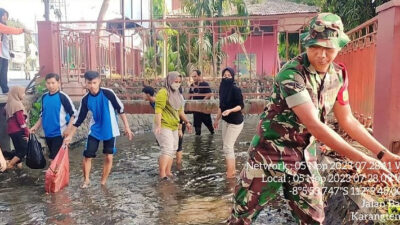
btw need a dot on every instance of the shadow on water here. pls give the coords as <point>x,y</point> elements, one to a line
<point>198,194</point>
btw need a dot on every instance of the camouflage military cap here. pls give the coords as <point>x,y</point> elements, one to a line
<point>325,26</point>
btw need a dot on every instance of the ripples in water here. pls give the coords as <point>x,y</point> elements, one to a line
<point>198,194</point>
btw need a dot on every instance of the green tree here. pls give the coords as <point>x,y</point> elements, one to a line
<point>293,48</point>
<point>102,13</point>
<point>158,9</point>
<point>352,12</point>
<point>211,8</point>
<point>194,46</point>
<point>200,9</point>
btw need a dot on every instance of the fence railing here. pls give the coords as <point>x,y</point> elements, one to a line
<point>131,89</point>
<point>359,57</point>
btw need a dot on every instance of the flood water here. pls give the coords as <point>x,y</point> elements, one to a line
<point>199,193</point>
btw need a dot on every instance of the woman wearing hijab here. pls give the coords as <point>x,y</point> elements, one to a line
<point>168,110</point>
<point>17,128</point>
<point>230,107</point>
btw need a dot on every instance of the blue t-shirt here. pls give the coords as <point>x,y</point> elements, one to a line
<point>104,107</point>
<point>57,109</point>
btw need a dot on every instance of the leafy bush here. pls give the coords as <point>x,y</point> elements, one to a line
<point>34,113</point>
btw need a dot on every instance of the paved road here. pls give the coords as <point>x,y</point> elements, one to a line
<point>13,82</point>
<point>18,82</point>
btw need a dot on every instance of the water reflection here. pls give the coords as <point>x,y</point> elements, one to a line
<point>59,208</point>
<point>198,194</point>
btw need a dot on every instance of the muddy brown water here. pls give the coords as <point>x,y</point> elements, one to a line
<point>199,193</point>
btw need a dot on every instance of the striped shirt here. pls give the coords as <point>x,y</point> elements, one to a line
<point>57,109</point>
<point>104,107</point>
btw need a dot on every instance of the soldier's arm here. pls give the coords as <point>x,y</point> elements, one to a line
<point>308,116</point>
<point>358,132</point>
<point>355,129</point>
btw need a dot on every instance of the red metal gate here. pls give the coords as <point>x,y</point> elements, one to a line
<point>359,58</point>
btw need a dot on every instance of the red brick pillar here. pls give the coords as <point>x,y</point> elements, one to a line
<point>93,47</point>
<point>387,82</point>
<point>49,47</point>
<point>118,58</point>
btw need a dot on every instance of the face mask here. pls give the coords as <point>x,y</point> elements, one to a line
<point>175,86</point>
<point>227,81</point>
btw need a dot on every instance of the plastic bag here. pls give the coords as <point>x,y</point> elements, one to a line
<point>57,175</point>
<point>34,156</point>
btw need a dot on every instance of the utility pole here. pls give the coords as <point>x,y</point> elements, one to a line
<point>123,39</point>
<point>151,23</point>
<point>219,37</point>
<point>46,10</point>
<point>165,52</point>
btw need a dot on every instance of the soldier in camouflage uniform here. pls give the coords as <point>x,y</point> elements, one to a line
<point>283,152</point>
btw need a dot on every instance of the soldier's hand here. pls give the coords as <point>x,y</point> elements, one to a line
<point>391,160</point>
<point>374,166</point>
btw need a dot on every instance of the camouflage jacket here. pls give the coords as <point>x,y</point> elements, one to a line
<point>281,137</point>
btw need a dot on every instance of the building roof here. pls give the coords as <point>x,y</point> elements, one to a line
<point>278,7</point>
<point>290,16</point>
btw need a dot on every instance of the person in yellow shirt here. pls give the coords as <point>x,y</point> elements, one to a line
<point>168,111</point>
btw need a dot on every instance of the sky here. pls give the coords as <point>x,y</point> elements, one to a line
<point>30,11</point>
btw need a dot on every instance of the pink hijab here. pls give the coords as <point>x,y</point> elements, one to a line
<point>14,101</point>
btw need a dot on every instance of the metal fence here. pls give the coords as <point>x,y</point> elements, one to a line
<point>359,58</point>
<point>126,51</point>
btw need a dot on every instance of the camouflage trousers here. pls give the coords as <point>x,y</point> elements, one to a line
<point>259,186</point>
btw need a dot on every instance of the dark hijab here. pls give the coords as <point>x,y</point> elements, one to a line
<point>2,13</point>
<point>225,88</point>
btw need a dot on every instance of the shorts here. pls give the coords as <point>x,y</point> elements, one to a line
<point>168,140</point>
<point>92,145</point>
<point>54,144</point>
<point>230,133</point>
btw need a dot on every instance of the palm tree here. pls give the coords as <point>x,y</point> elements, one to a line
<point>46,10</point>
<point>353,13</point>
<point>102,13</point>
<point>211,8</point>
<point>200,9</point>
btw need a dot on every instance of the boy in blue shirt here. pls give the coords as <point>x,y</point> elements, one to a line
<point>57,114</point>
<point>104,106</point>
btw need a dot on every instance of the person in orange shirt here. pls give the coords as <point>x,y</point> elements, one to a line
<point>5,48</point>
